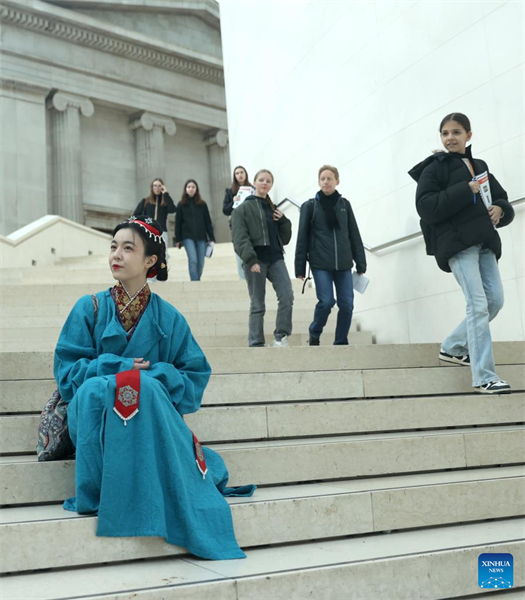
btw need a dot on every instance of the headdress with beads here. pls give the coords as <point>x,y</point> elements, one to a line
<point>146,224</point>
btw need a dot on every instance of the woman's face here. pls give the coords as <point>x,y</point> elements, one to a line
<point>240,175</point>
<point>454,137</point>
<point>191,189</point>
<point>157,187</point>
<point>126,256</point>
<point>263,184</point>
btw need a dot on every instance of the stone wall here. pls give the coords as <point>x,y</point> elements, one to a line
<point>93,102</point>
<point>23,167</point>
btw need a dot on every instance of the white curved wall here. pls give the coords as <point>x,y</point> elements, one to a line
<point>363,86</point>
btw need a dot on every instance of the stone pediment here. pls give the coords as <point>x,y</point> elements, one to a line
<point>206,10</point>
<point>79,28</point>
<point>176,23</point>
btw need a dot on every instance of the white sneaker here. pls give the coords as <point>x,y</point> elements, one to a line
<point>282,343</point>
<point>494,387</point>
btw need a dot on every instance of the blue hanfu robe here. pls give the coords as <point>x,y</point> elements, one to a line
<point>142,479</point>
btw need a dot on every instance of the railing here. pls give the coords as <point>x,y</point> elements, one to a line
<point>396,242</point>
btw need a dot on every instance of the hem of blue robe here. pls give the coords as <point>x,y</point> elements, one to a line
<point>238,553</point>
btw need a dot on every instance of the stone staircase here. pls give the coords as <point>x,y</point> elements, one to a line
<point>35,302</point>
<point>381,474</point>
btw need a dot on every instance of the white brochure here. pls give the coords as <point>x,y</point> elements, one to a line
<point>243,193</point>
<point>360,282</point>
<point>484,188</point>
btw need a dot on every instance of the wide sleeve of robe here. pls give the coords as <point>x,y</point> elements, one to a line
<point>186,376</point>
<point>76,358</point>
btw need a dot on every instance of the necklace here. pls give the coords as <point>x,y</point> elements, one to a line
<point>129,295</point>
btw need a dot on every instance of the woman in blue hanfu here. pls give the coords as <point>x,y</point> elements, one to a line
<point>129,367</point>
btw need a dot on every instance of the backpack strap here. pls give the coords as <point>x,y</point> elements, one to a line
<point>312,217</point>
<point>94,299</point>
<point>312,212</point>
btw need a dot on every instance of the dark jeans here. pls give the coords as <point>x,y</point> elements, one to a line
<point>278,275</point>
<point>196,251</point>
<point>324,287</point>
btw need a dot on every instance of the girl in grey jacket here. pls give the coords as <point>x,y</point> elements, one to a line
<point>260,231</point>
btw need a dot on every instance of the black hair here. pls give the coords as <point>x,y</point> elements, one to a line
<point>462,119</point>
<point>152,244</point>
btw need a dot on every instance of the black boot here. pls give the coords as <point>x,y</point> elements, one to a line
<point>313,341</point>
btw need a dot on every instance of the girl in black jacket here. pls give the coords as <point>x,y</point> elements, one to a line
<point>461,205</point>
<point>158,205</point>
<point>193,228</point>
<point>240,178</point>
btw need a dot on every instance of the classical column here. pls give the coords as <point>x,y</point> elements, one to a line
<point>220,179</point>
<point>149,131</point>
<point>66,164</point>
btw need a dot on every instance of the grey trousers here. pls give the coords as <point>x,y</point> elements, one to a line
<point>278,275</point>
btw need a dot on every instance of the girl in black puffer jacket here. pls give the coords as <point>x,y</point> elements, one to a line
<point>461,205</point>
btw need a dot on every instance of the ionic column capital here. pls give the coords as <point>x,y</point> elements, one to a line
<point>148,121</point>
<point>219,138</point>
<point>61,101</point>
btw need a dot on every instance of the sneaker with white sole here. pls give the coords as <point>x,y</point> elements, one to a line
<point>456,360</point>
<point>282,343</point>
<point>494,387</point>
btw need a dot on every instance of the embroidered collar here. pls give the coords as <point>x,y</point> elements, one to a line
<point>129,310</point>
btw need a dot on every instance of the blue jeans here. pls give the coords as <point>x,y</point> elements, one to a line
<point>196,251</point>
<point>324,287</point>
<point>476,271</point>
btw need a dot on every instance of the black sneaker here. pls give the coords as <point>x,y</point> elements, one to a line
<point>494,387</point>
<point>457,360</point>
<point>313,341</point>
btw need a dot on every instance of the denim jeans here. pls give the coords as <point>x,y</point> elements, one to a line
<point>324,287</point>
<point>278,275</point>
<point>196,251</point>
<point>476,271</point>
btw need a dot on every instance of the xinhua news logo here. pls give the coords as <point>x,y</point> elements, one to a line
<point>495,571</point>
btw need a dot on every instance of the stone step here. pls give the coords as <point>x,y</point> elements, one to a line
<point>202,327</point>
<point>73,291</point>
<point>176,262</point>
<point>278,462</point>
<point>104,281</point>
<point>50,302</point>
<point>297,386</point>
<point>205,342</point>
<point>194,318</point>
<point>220,249</point>
<point>13,365</point>
<point>276,516</point>
<point>18,433</point>
<point>268,388</point>
<point>430,563</point>
<point>50,306</point>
